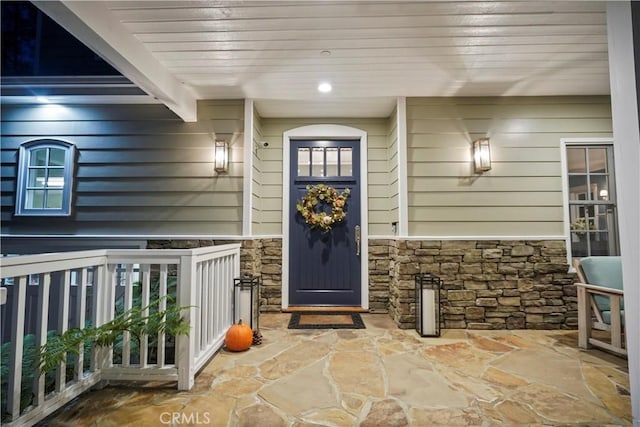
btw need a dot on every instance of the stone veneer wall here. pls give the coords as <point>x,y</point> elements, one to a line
<point>271,271</point>
<point>488,284</point>
<point>381,264</point>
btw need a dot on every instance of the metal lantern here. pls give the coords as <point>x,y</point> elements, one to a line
<point>246,300</point>
<point>428,304</point>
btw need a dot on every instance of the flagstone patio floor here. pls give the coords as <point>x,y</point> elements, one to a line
<point>380,376</point>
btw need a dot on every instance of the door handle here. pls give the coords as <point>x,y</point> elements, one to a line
<point>357,236</point>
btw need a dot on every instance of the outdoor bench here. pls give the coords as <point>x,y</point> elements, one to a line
<point>600,303</point>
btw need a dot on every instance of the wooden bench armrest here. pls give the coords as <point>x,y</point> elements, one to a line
<point>587,308</point>
<point>600,289</point>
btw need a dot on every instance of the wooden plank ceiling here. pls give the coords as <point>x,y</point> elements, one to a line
<point>371,51</point>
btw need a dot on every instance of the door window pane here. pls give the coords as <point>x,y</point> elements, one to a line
<point>325,162</point>
<point>317,161</point>
<point>346,165</point>
<point>332,162</point>
<point>303,161</point>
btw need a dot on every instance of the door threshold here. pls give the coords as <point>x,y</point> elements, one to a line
<point>330,308</point>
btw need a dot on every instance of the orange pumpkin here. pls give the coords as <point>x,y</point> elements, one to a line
<point>239,337</point>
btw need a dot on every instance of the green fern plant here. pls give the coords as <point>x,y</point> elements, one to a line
<point>30,353</point>
<point>67,347</point>
<point>136,301</point>
<point>138,321</point>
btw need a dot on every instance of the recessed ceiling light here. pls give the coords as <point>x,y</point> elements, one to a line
<point>42,99</point>
<point>325,53</point>
<point>325,87</point>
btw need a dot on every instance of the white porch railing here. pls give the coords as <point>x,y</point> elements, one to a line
<point>63,290</point>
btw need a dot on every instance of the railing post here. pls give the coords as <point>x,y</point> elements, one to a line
<point>102,306</point>
<point>128,303</point>
<point>162,305</point>
<point>41,334</point>
<point>81,307</point>
<point>3,301</point>
<point>186,296</point>
<point>145,271</point>
<point>63,324</point>
<point>15,356</point>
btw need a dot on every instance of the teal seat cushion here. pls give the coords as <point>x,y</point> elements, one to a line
<point>606,316</point>
<point>605,271</point>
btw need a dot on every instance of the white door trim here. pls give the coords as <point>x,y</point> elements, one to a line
<point>328,132</point>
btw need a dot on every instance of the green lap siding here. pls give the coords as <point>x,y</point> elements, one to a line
<point>379,193</point>
<point>140,170</point>
<point>522,194</point>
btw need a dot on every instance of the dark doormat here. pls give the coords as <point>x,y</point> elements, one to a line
<point>326,320</point>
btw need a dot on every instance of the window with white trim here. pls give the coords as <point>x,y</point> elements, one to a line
<point>592,200</point>
<point>45,178</point>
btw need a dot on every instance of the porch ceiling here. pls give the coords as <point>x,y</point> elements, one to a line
<point>371,51</point>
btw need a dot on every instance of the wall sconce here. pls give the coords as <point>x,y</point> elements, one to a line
<point>481,155</point>
<point>221,156</point>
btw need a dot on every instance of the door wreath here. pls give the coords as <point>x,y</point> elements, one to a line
<point>323,194</point>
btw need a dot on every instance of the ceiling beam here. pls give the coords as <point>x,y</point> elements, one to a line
<point>93,24</point>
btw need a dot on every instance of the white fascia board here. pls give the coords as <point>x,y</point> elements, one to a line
<point>95,25</point>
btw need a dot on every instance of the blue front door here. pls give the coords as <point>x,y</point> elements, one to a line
<point>324,266</point>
